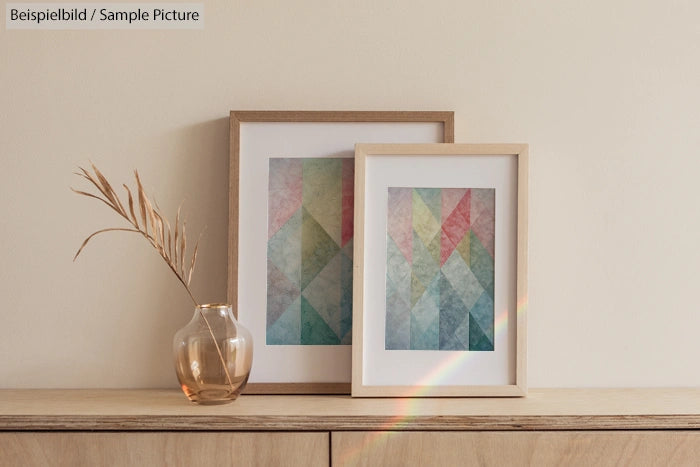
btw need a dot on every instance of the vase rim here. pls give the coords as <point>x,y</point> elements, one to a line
<point>214,305</point>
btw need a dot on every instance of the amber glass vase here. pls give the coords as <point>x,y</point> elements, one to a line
<point>213,355</point>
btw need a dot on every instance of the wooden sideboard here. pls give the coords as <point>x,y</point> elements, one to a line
<point>160,427</point>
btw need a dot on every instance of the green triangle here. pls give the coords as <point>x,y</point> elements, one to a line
<point>477,339</point>
<point>417,289</point>
<point>481,263</point>
<point>432,197</point>
<point>314,330</point>
<point>435,245</point>
<point>317,248</point>
<point>424,265</point>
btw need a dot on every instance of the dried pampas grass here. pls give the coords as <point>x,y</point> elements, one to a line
<point>147,220</point>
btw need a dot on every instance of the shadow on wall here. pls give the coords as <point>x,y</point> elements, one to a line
<point>200,157</point>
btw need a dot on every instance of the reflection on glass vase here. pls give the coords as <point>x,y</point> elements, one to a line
<point>213,355</point>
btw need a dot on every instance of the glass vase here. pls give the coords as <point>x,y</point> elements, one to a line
<point>213,355</point>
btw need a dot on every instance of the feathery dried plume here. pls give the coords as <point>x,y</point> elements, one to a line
<point>149,222</point>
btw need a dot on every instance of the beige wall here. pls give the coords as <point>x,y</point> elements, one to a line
<point>606,93</point>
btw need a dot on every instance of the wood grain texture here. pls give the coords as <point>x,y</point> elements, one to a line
<point>543,409</point>
<point>155,449</point>
<point>522,296</point>
<point>237,117</point>
<point>364,151</point>
<point>233,218</point>
<point>517,449</point>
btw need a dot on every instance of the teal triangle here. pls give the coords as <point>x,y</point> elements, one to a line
<point>426,338</point>
<point>477,339</point>
<point>314,330</point>
<point>481,263</point>
<point>286,330</point>
<point>317,248</point>
<point>452,313</point>
<point>483,314</point>
<point>397,333</point>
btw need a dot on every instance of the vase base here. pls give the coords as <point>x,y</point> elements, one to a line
<point>212,401</point>
<point>217,395</point>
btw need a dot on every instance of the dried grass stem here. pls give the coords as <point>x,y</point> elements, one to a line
<point>149,222</point>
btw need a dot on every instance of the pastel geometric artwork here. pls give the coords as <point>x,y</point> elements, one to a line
<point>440,269</point>
<point>309,251</point>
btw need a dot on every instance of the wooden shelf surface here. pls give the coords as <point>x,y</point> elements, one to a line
<point>156,410</point>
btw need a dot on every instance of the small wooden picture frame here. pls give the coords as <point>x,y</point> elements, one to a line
<point>440,284</point>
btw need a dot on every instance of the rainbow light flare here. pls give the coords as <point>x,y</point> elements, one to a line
<point>406,405</point>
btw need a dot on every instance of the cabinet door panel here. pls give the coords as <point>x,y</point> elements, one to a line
<point>171,449</point>
<point>599,448</point>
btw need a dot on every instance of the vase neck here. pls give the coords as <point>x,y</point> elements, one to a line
<point>214,309</point>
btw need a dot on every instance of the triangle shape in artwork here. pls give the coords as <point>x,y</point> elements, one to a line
<point>462,333</point>
<point>483,314</point>
<point>417,289</point>
<point>432,197</point>
<point>286,330</point>
<point>456,226</point>
<point>317,248</point>
<point>425,318</point>
<point>450,198</point>
<point>397,332</point>
<point>425,224</point>
<point>424,265</point>
<point>481,263</point>
<point>283,249</point>
<point>398,270</point>
<point>324,293</point>
<point>483,201</point>
<point>284,197</point>
<point>483,229</point>
<point>463,248</point>
<point>400,220</point>
<point>477,339</point>
<point>462,279</point>
<point>452,313</point>
<point>280,293</point>
<point>314,330</point>
<point>425,337</point>
<point>323,193</point>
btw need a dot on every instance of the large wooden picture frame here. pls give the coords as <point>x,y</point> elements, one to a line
<point>270,142</point>
<point>440,270</point>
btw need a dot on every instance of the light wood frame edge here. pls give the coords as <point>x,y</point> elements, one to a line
<point>519,388</point>
<point>236,117</point>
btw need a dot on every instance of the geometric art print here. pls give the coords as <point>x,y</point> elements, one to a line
<point>309,251</point>
<point>440,269</point>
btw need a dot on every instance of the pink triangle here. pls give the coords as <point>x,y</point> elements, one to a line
<point>483,217</point>
<point>446,247</point>
<point>285,189</point>
<point>455,227</point>
<point>450,199</point>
